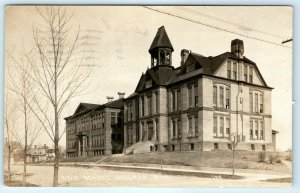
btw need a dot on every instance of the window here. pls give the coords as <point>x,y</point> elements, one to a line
<point>192,146</point>
<point>156,147</point>
<point>174,128</point>
<point>256,102</point>
<point>263,147</point>
<point>113,116</point>
<point>256,129</point>
<point>252,147</point>
<point>129,114</point>
<point>190,96</point>
<point>190,126</point>
<point>251,102</point>
<point>227,126</point>
<point>222,97</point>
<point>227,98</point>
<point>162,57</point>
<point>251,75</point>
<point>178,128</point>
<point>196,95</point>
<point>143,106</point>
<point>174,100</point>
<point>222,126</point>
<point>216,146</point>
<point>168,61</point>
<point>261,106</point>
<point>251,129</point>
<point>129,135</point>
<point>245,73</point>
<point>150,130</point>
<point>178,100</point>
<point>173,147</point>
<point>196,126</point>
<point>157,129</point>
<point>228,69</point>
<point>215,126</point>
<point>143,132</point>
<point>229,146</point>
<point>157,102</point>
<point>149,102</point>
<point>215,96</point>
<point>234,71</point>
<point>261,136</point>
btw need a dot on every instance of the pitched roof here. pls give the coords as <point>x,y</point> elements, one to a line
<point>84,106</point>
<point>207,65</point>
<point>160,75</point>
<point>115,104</point>
<point>87,107</point>
<point>161,39</point>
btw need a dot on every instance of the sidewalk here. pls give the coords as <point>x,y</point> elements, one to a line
<point>222,173</point>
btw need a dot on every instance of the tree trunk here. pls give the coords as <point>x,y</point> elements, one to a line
<point>25,146</point>
<point>56,150</point>
<point>9,152</point>
<point>233,163</point>
<point>8,162</point>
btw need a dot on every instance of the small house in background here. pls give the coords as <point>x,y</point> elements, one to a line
<point>40,153</point>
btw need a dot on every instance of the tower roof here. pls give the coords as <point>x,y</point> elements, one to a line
<point>161,39</point>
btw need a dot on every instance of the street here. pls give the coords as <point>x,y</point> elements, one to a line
<point>70,176</point>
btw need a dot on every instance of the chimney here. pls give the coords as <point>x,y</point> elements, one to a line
<point>184,55</point>
<point>109,98</point>
<point>34,146</point>
<point>121,95</point>
<point>237,48</point>
<point>45,146</point>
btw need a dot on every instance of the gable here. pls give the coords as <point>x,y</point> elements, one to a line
<point>83,107</point>
<point>229,63</point>
<point>146,81</point>
<point>257,78</point>
<point>79,109</point>
<point>191,64</point>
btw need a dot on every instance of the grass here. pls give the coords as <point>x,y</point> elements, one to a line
<point>280,180</point>
<point>212,159</point>
<point>16,183</point>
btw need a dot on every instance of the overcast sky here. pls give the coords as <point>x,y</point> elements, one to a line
<point>121,36</point>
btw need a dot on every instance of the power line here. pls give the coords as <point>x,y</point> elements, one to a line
<point>286,41</point>
<point>214,27</point>
<point>230,22</point>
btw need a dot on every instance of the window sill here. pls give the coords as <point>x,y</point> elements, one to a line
<point>219,137</point>
<point>221,109</point>
<point>191,137</point>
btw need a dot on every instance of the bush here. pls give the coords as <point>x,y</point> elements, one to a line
<point>271,158</point>
<point>278,161</point>
<point>262,156</point>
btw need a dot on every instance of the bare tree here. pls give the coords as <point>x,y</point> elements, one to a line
<point>20,84</point>
<point>9,120</point>
<point>59,71</point>
<point>234,139</point>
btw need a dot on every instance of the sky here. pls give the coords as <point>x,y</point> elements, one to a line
<point>120,36</point>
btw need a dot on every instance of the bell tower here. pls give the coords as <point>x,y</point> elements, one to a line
<point>161,49</point>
